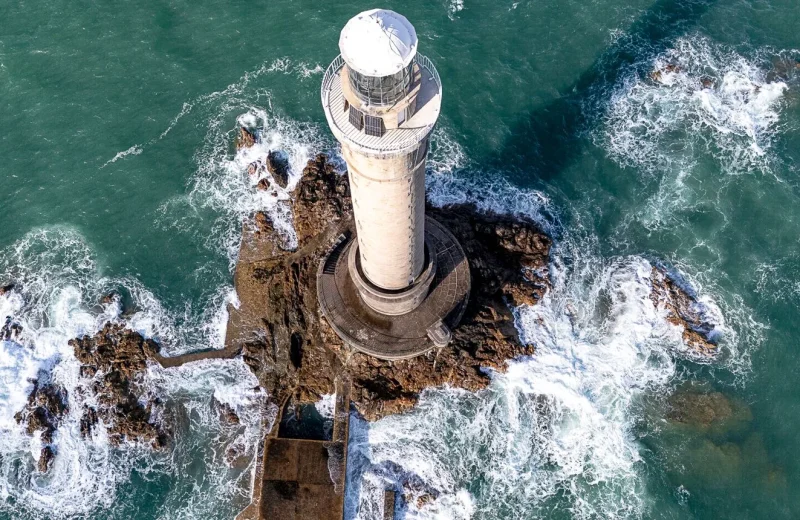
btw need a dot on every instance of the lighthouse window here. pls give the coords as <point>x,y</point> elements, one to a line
<point>386,90</point>
<point>356,118</point>
<point>373,126</point>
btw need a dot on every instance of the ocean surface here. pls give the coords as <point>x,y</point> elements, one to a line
<point>117,171</point>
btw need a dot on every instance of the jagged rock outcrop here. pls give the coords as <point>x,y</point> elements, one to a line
<point>278,167</point>
<point>683,309</point>
<point>293,351</point>
<point>46,458</point>
<point>114,359</point>
<point>245,138</point>
<point>47,404</point>
<point>226,413</point>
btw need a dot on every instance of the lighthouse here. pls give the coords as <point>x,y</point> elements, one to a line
<point>397,288</point>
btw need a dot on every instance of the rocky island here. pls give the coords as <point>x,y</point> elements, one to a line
<point>281,335</point>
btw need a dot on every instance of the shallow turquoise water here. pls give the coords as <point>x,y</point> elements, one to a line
<point>118,170</point>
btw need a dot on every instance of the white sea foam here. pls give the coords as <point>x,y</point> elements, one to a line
<point>560,424</point>
<point>56,299</point>
<point>326,406</point>
<point>133,150</point>
<point>454,7</point>
<point>452,180</point>
<point>221,182</point>
<point>197,495</point>
<point>652,122</point>
<point>303,70</point>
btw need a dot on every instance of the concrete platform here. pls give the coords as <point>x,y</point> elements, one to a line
<point>301,479</point>
<point>395,337</point>
<point>297,483</point>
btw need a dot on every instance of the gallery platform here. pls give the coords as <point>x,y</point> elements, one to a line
<point>401,336</point>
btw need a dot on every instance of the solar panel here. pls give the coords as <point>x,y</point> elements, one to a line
<point>356,118</point>
<point>374,126</point>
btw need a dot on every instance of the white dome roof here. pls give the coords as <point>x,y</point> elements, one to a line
<point>378,42</point>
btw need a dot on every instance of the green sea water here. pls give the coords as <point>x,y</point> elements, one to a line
<point>117,171</point>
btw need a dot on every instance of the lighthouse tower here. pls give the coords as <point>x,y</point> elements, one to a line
<point>381,99</point>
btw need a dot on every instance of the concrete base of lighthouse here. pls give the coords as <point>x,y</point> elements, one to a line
<point>341,297</point>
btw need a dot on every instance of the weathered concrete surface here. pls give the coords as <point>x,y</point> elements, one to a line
<point>389,214</point>
<point>297,479</point>
<point>403,336</point>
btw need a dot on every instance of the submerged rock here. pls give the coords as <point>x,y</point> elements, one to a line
<point>701,409</point>
<point>707,411</point>
<point>293,351</point>
<point>7,288</point>
<point>683,309</point>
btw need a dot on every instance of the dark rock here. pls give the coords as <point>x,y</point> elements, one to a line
<point>683,309</point>
<point>7,288</point>
<point>89,420</point>
<point>245,138</point>
<point>117,356</point>
<point>46,458</point>
<point>46,407</point>
<point>508,257</point>
<point>278,166</point>
<point>226,413</point>
<point>263,185</point>
<point>11,330</point>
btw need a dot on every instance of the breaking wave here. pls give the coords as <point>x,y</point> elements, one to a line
<point>697,98</point>
<point>58,295</point>
<point>558,426</point>
<point>221,183</point>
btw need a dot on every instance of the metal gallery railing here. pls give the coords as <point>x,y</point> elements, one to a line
<point>332,74</point>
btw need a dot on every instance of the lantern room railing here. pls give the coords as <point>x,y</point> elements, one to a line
<point>336,111</point>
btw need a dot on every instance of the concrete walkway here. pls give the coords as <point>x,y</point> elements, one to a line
<point>300,479</point>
